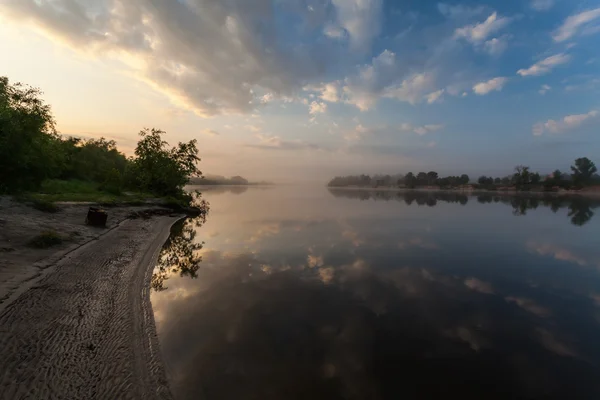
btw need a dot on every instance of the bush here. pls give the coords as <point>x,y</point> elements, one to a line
<point>45,206</point>
<point>159,169</point>
<point>45,240</point>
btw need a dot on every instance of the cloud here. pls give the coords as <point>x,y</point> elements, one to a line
<point>269,142</point>
<point>330,92</point>
<point>479,32</point>
<point>252,128</point>
<point>414,89</point>
<point>421,130</point>
<point>529,306</point>
<point>542,5</point>
<point>567,123</point>
<point>479,286</point>
<point>484,88</point>
<point>435,96</point>
<point>210,132</point>
<point>546,65</point>
<point>550,342</point>
<point>574,23</point>
<point>459,11</point>
<point>360,19</point>
<point>315,261</point>
<point>211,57</point>
<point>544,89</point>
<point>317,108</point>
<point>358,133</point>
<point>558,252</point>
<point>496,46</point>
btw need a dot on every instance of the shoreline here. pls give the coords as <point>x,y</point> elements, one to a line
<point>470,192</point>
<point>84,326</point>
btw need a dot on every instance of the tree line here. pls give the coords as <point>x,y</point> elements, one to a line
<point>581,209</point>
<point>583,173</point>
<point>32,152</point>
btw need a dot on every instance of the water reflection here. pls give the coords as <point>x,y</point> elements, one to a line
<point>330,299</point>
<point>580,208</point>
<point>180,254</point>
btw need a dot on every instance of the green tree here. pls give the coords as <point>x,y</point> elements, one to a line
<point>583,171</point>
<point>464,179</point>
<point>432,177</point>
<point>162,170</point>
<point>522,176</point>
<point>410,181</point>
<point>29,145</point>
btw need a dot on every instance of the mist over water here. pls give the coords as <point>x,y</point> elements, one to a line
<point>298,293</point>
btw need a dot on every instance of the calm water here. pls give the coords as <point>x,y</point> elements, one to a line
<point>297,293</point>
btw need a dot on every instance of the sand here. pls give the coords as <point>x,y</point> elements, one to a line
<point>76,321</point>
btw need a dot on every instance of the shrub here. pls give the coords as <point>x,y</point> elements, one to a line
<point>45,240</point>
<point>45,206</point>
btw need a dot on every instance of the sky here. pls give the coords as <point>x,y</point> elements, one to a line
<point>303,90</point>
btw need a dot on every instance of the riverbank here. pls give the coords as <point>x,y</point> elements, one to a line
<point>76,320</point>
<point>592,192</point>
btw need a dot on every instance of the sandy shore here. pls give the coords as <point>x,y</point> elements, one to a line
<point>78,324</point>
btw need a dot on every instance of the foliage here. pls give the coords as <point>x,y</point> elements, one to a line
<point>180,254</point>
<point>44,205</point>
<point>33,157</point>
<point>45,240</point>
<point>28,139</point>
<point>583,171</point>
<point>162,170</point>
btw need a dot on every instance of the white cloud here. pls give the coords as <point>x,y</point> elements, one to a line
<point>572,24</point>
<point>361,20</point>
<point>567,123</point>
<point>271,142</point>
<point>496,46</point>
<point>546,65</point>
<point>435,96</point>
<point>489,86</point>
<point>542,5</point>
<point>479,32</point>
<point>330,92</point>
<point>421,130</point>
<point>413,89</point>
<point>210,132</point>
<point>544,89</point>
<point>210,57</point>
<point>317,108</point>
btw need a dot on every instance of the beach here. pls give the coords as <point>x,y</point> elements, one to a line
<point>76,321</point>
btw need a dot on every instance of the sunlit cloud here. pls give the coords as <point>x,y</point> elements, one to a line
<point>573,24</point>
<point>546,65</point>
<point>479,32</point>
<point>495,84</point>
<point>565,124</point>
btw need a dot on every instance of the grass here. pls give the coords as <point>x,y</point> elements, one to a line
<point>56,190</point>
<point>44,205</point>
<point>46,240</point>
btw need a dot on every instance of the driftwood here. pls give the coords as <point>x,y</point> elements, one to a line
<point>96,217</point>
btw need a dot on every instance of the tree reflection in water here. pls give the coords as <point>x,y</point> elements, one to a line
<point>580,208</point>
<point>180,254</point>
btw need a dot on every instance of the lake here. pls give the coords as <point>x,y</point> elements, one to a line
<point>310,293</point>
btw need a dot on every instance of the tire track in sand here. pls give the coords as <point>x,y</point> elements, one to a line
<point>86,330</point>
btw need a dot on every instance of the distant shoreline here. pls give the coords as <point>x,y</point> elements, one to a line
<point>512,192</point>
